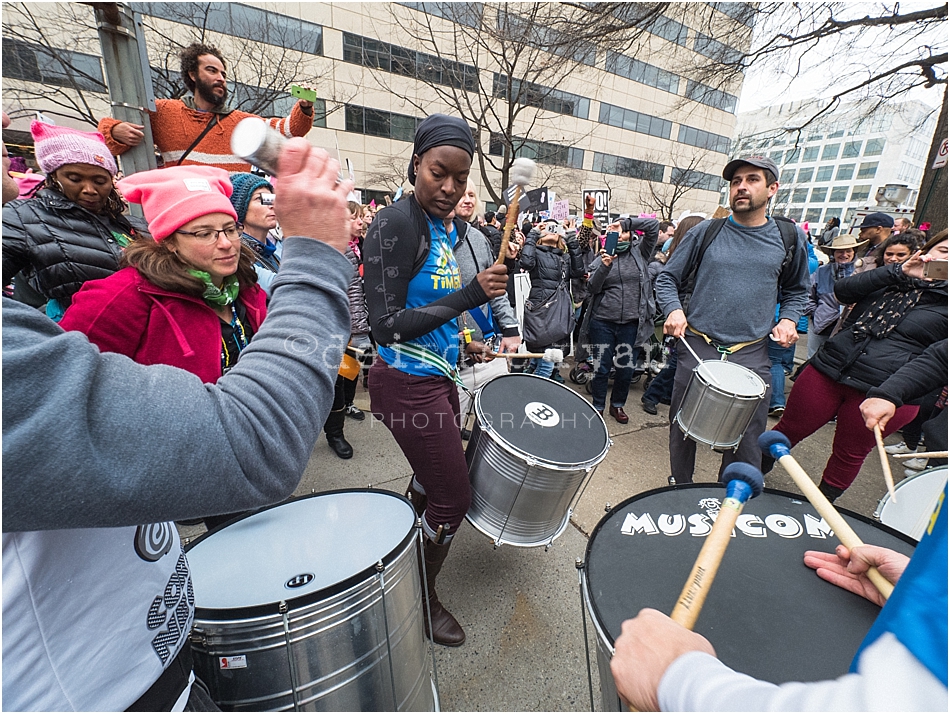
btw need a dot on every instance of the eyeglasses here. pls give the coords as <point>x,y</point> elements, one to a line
<point>209,236</point>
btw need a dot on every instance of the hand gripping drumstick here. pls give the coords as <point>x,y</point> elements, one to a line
<point>744,481</point>
<point>885,464</point>
<point>777,445</point>
<point>521,173</point>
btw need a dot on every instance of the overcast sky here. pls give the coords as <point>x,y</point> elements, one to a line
<point>832,65</point>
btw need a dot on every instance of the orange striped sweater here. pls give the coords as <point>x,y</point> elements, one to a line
<point>175,126</point>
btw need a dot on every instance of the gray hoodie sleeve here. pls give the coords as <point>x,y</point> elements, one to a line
<point>96,440</point>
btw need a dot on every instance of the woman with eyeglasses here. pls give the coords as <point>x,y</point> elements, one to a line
<point>189,298</point>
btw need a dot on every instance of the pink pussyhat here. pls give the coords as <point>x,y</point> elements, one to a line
<point>174,196</point>
<point>56,146</point>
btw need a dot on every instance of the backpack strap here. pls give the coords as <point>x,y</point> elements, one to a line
<point>216,119</point>
<point>712,230</point>
<point>790,241</point>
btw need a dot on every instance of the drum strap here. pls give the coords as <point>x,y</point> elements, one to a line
<point>165,690</point>
<point>723,349</point>
<point>430,358</point>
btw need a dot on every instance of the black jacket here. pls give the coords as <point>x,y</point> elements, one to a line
<point>548,266</point>
<point>863,362</point>
<point>64,244</point>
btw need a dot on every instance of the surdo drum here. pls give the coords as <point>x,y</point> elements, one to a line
<point>720,401</point>
<point>313,605</point>
<point>916,498</point>
<point>767,614</point>
<point>533,444</point>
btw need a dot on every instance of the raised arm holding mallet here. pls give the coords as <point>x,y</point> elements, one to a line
<point>777,445</point>
<point>520,174</point>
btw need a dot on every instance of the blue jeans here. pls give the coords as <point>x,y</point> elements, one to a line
<point>783,362</point>
<point>660,390</point>
<point>542,368</point>
<point>610,340</point>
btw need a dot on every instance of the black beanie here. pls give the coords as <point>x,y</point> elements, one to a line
<point>441,130</point>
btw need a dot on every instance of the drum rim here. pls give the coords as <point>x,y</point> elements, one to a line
<point>505,445</point>
<point>273,608</point>
<point>592,608</point>
<point>886,498</point>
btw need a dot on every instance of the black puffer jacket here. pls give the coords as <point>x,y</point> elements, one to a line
<point>863,362</point>
<point>548,266</point>
<point>64,244</point>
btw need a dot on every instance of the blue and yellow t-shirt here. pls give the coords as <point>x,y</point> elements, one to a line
<point>438,277</point>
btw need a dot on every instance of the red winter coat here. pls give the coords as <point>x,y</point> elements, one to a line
<point>126,313</point>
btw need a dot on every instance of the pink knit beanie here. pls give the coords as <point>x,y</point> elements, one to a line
<point>171,197</point>
<point>59,145</point>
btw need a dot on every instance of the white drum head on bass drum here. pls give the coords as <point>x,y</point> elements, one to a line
<point>297,548</point>
<point>732,378</point>
<point>916,498</point>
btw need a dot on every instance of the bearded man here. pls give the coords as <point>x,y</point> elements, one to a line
<point>196,129</point>
<point>719,291</point>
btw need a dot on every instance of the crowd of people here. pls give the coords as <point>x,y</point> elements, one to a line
<point>168,368</point>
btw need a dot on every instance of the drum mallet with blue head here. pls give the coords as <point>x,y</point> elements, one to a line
<point>743,481</point>
<point>777,445</point>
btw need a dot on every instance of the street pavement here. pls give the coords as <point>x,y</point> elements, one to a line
<point>521,607</point>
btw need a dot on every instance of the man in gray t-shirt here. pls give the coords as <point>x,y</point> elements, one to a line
<point>741,277</point>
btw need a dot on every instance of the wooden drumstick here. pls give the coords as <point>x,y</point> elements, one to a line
<point>520,174</point>
<point>885,464</point>
<point>922,455</point>
<point>777,445</point>
<point>744,482</point>
<point>549,355</point>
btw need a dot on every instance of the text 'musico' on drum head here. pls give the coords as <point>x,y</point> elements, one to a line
<point>731,378</point>
<point>543,419</point>
<point>767,614</point>
<point>305,549</point>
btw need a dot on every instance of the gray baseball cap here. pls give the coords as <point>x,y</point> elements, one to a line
<point>762,162</point>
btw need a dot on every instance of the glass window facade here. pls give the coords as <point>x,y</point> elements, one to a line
<point>703,139</point>
<point>409,63</point>
<point>845,172</point>
<point>799,195</point>
<point>635,121</point>
<point>714,49</point>
<point>711,97</point>
<point>824,173</point>
<point>804,175</point>
<point>830,152</point>
<point>851,150</point>
<point>544,152</point>
<point>624,166</point>
<point>792,155</point>
<point>818,195</point>
<point>642,72</point>
<point>376,122</point>
<point>812,215</point>
<point>867,170</point>
<point>839,194</point>
<point>874,147</point>
<point>696,179</point>
<point>810,154</point>
<point>61,68</point>
<point>787,176</point>
<point>535,95</point>
<point>860,193</point>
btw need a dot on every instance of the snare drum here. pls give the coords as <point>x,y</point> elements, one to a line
<point>916,498</point>
<point>767,614</point>
<point>313,605</point>
<point>720,401</point>
<point>533,443</point>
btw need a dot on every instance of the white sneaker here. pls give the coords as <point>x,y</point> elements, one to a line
<point>900,448</point>
<point>915,464</point>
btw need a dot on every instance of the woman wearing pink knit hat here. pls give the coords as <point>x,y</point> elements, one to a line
<point>72,229</point>
<point>189,298</point>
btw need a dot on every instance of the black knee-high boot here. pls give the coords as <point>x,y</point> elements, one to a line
<point>334,431</point>
<point>445,628</point>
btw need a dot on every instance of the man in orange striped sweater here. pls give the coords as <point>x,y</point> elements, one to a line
<point>176,123</point>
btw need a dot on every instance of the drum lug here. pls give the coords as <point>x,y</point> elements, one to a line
<point>607,507</point>
<point>282,607</point>
<point>579,563</point>
<point>379,566</point>
<point>197,638</point>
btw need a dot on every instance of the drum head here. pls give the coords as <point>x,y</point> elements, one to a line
<point>542,418</point>
<point>731,378</point>
<point>307,548</point>
<point>767,614</point>
<point>916,498</point>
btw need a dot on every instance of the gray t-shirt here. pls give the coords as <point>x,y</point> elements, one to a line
<point>738,282</point>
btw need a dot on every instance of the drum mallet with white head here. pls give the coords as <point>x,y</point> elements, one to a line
<point>743,481</point>
<point>550,355</point>
<point>777,445</point>
<point>520,174</point>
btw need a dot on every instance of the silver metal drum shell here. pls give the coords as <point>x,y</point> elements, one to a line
<point>712,416</point>
<point>609,698</point>
<point>517,499</point>
<point>339,646</point>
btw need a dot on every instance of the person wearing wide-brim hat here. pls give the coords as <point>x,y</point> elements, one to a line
<point>823,306</point>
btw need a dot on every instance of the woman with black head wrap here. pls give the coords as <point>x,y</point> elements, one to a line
<point>414,294</point>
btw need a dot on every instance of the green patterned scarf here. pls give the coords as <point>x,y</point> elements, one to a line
<point>215,296</point>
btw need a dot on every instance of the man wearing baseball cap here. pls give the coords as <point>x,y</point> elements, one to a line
<point>875,229</point>
<point>734,271</point>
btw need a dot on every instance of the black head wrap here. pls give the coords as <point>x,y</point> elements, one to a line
<point>441,130</point>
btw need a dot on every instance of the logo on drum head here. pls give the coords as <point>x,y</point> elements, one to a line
<point>152,541</point>
<point>298,581</point>
<point>541,414</point>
